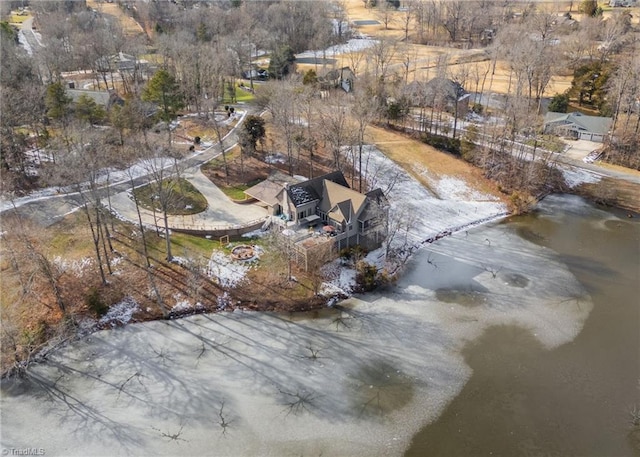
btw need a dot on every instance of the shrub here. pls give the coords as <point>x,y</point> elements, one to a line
<point>443,143</point>
<point>559,103</point>
<point>94,302</point>
<point>367,277</point>
<point>354,252</point>
<point>522,202</point>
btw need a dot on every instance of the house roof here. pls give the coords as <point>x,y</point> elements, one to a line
<point>101,97</point>
<point>267,191</point>
<point>337,73</point>
<point>437,87</point>
<point>592,124</point>
<point>451,90</point>
<point>376,194</point>
<point>311,190</point>
<point>341,202</point>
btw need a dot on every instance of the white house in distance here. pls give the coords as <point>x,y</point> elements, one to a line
<point>577,126</point>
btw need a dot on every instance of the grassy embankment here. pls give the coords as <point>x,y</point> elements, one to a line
<point>426,164</point>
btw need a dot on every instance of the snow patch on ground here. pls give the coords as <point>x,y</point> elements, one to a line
<point>86,326</point>
<point>24,43</point>
<point>456,189</point>
<point>432,215</point>
<point>77,266</point>
<point>575,176</point>
<point>275,158</point>
<point>120,313</point>
<point>223,301</point>
<point>341,279</point>
<point>226,271</point>
<point>184,306</point>
<point>353,45</point>
<point>259,233</point>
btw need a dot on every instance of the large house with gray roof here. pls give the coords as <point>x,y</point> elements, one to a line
<point>577,126</point>
<point>349,217</point>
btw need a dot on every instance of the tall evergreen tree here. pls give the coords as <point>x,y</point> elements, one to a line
<point>164,90</point>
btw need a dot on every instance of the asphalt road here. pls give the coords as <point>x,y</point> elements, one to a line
<point>46,210</point>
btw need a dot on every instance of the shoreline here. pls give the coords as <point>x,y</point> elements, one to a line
<point>351,371</point>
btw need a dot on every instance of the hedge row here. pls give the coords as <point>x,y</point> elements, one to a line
<point>443,143</point>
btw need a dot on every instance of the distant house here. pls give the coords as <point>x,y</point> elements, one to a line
<point>103,98</point>
<point>487,36</point>
<point>120,62</point>
<point>340,77</point>
<point>577,126</point>
<point>440,93</point>
<point>259,74</point>
<point>622,3</point>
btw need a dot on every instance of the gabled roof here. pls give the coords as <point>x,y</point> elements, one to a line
<point>341,202</point>
<point>267,191</point>
<point>451,90</point>
<point>337,73</point>
<point>311,190</point>
<point>341,212</point>
<point>101,97</point>
<point>592,124</point>
<point>377,195</point>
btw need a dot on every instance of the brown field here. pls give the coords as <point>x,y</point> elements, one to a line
<point>129,25</point>
<point>424,58</point>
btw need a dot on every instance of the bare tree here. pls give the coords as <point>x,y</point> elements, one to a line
<point>82,167</point>
<point>282,104</point>
<point>335,128</point>
<point>364,110</point>
<point>163,168</point>
<point>397,246</point>
<point>384,13</point>
<point>380,56</point>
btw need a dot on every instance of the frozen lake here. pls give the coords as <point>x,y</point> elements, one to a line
<point>366,379</point>
<point>576,399</point>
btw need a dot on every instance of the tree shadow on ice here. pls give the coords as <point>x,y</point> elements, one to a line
<point>70,409</point>
<point>126,375</point>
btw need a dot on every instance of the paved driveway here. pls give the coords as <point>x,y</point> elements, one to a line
<point>221,212</point>
<point>579,149</point>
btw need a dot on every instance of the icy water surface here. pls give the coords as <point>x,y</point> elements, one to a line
<point>484,338</point>
<point>523,399</point>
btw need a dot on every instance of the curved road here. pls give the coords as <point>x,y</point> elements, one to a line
<point>47,208</point>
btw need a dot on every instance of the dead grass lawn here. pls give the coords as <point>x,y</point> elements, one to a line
<point>414,156</point>
<point>129,25</point>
